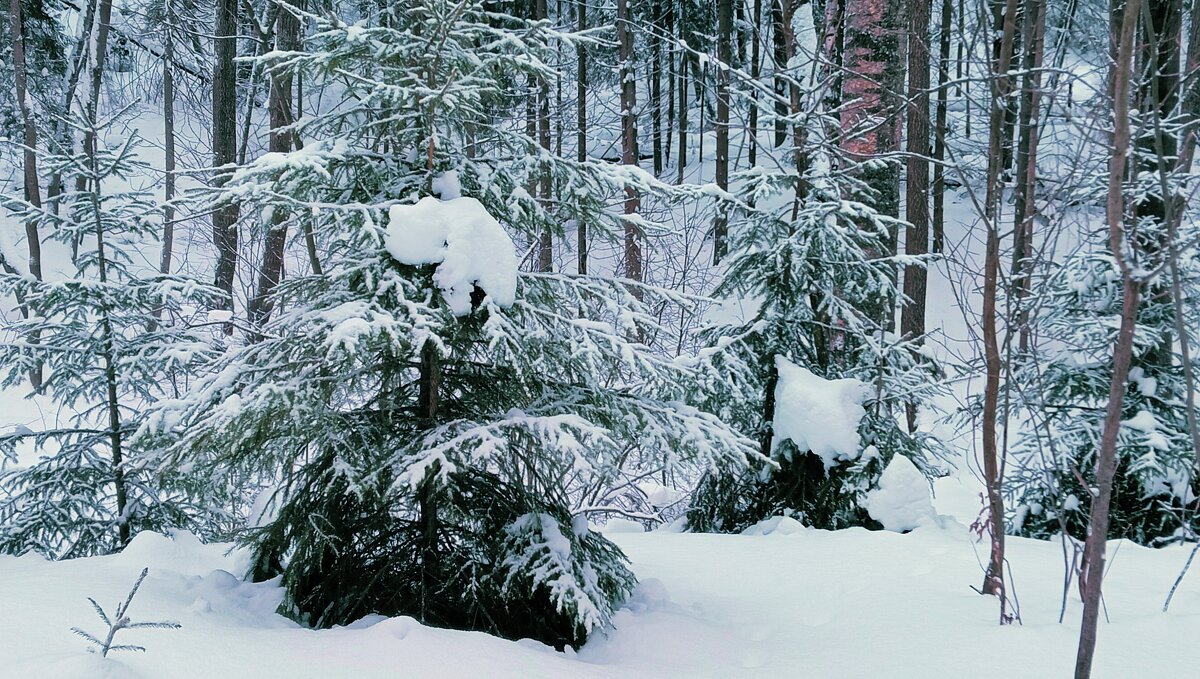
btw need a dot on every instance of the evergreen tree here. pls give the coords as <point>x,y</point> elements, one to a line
<point>422,418</point>
<point>1065,385</point>
<point>805,261</point>
<point>114,337</point>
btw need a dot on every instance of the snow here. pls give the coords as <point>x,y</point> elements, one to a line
<point>623,526</point>
<point>817,414</point>
<point>468,245</point>
<point>902,501</point>
<point>838,604</point>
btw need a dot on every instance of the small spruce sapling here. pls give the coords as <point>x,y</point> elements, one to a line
<point>121,621</point>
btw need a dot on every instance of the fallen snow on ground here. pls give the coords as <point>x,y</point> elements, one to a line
<point>792,602</point>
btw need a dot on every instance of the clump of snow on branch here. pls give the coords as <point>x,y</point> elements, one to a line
<point>817,414</point>
<point>902,501</point>
<point>467,244</point>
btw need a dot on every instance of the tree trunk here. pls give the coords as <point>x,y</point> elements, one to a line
<point>629,145</point>
<point>224,144</point>
<point>681,161</point>
<point>1189,104</point>
<point>428,402</point>
<point>755,77</point>
<point>545,190</point>
<point>993,582</point>
<point>872,82</point>
<point>939,136</point>
<point>724,56</point>
<point>779,43</point>
<point>32,187</point>
<point>287,39</point>
<point>1106,454</point>
<point>168,94</point>
<point>581,89</point>
<point>916,242</point>
<point>1024,208</point>
<point>108,343</point>
<point>60,131</point>
<point>655,82</point>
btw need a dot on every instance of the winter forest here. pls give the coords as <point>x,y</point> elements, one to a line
<point>598,338</point>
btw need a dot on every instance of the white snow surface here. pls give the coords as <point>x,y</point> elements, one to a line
<point>468,245</point>
<point>817,414</point>
<point>792,603</point>
<point>902,501</point>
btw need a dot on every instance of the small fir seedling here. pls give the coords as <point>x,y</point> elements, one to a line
<point>119,622</point>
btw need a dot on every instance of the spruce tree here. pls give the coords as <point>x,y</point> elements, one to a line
<point>114,337</point>
<point>422,418</point>
<point>1065,384</point>
<point>807,268</point>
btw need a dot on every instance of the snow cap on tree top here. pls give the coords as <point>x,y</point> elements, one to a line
<point>817,414</point>
<point>467,244</point>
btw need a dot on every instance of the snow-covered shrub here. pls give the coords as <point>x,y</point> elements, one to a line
<point>410,409</point>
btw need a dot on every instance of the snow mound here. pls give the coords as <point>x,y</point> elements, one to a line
<point>902,501</point>
<point>182,553</point>
<point>817,414</point>
<point>623,526</point>
<point>468,245</point>
<point>776,525</point>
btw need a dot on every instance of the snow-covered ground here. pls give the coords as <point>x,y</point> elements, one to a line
<point>791,603</point>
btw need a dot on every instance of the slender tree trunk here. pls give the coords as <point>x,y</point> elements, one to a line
<point>1024,208</point>
<point>669,55</point>
<point>1189,104</point>
<point>779,43</point>
<point>428,405</point>
<point>655,82</point>
<point>224,144</point>
<point>60,131</point>
<point>755,77</point>
<point>724,56</point>
<point>287,39</point>
<point>916,242</point>
<point>546,190</point>
<point>32,187</point>
<point>108,343</point>
<point>168,95</point>
<point>993,582</point>
<point>581,90</point>
<point>629,145</point>
<point>96,74</point>
<point>939,143</point>
<point>1106,454</point>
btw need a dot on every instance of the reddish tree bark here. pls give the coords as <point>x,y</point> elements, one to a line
<point>1001,87</point>
<point>916,242</point>
<point>1106,462</point>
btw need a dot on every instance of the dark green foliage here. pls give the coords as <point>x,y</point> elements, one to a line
<point>1066,384</point>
